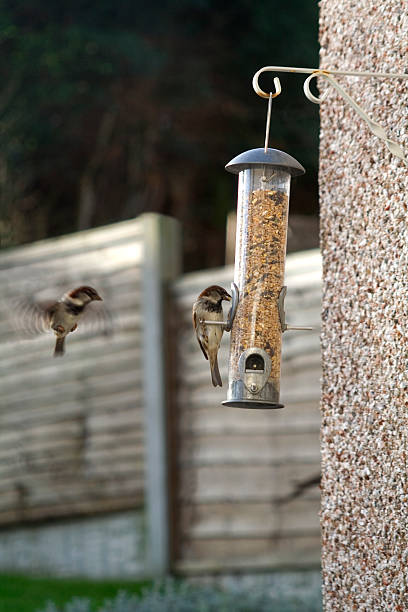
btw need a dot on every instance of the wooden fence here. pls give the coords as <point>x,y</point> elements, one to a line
<point>248,494</point>
<point>85,435</point>
<point>71,429</point>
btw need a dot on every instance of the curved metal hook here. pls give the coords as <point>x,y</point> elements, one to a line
<point>262,93</point>
<point>306,88</point>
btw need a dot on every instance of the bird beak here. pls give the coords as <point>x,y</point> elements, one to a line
<point>228,297</point>
<point>99,299</point>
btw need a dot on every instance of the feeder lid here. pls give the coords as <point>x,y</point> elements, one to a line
<point>258,157</point>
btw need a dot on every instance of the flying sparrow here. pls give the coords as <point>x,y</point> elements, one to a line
<point>62,316</point>
<point>208,307</point>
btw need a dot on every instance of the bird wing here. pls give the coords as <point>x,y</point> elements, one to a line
<point>31,317</point>
<point>200,334</point>
<point>96,319</point>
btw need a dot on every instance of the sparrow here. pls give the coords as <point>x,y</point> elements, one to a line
<point>208,307</point>
<point>62,316</point>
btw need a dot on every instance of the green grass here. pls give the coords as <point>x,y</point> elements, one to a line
<point>28,594</point>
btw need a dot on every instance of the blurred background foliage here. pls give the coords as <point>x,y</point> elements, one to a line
<point>110,109</point>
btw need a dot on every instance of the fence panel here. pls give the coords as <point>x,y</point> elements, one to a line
<point>248,494</point>
<point>72,438</point>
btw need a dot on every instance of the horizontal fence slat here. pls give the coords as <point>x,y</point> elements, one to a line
<point>251,519</point>
<point>90,240</point>
<point>246,483</point>
<point>77,507</point>
<point>251,552</point>
<point>245,449</point>
<point>229,421</point>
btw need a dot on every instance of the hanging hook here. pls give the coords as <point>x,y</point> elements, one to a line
<point>260,92</point>
<point>308,93</point>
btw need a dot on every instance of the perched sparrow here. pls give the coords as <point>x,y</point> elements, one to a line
<point>208,307</point>
<point>61,316</point>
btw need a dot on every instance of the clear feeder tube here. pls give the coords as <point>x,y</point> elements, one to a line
<point>262,220</point>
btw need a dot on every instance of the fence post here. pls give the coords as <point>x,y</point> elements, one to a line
<point>161,264</point>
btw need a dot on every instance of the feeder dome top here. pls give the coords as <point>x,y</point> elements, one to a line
<point>258,157</point>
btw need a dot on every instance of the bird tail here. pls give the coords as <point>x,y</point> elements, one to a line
<point>59,347</point>
<point>215,373</point>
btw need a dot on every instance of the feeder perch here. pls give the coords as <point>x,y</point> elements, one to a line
<point>262,221</point>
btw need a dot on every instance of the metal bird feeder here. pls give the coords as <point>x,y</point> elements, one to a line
<point>257,317</point>
<point>262,221</point>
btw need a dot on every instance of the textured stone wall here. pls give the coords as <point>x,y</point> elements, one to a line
<point>364,235</point>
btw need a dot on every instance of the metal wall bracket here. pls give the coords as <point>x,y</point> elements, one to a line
<point>374,127</point>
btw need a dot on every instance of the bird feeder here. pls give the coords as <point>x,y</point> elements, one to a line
<point>259,321</point>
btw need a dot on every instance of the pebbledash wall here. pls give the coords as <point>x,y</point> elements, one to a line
<point>84,480</point>
<point>364,236</point>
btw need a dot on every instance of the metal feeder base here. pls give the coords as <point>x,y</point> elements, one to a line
<point>251,404</point>
<point>239,396</point>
